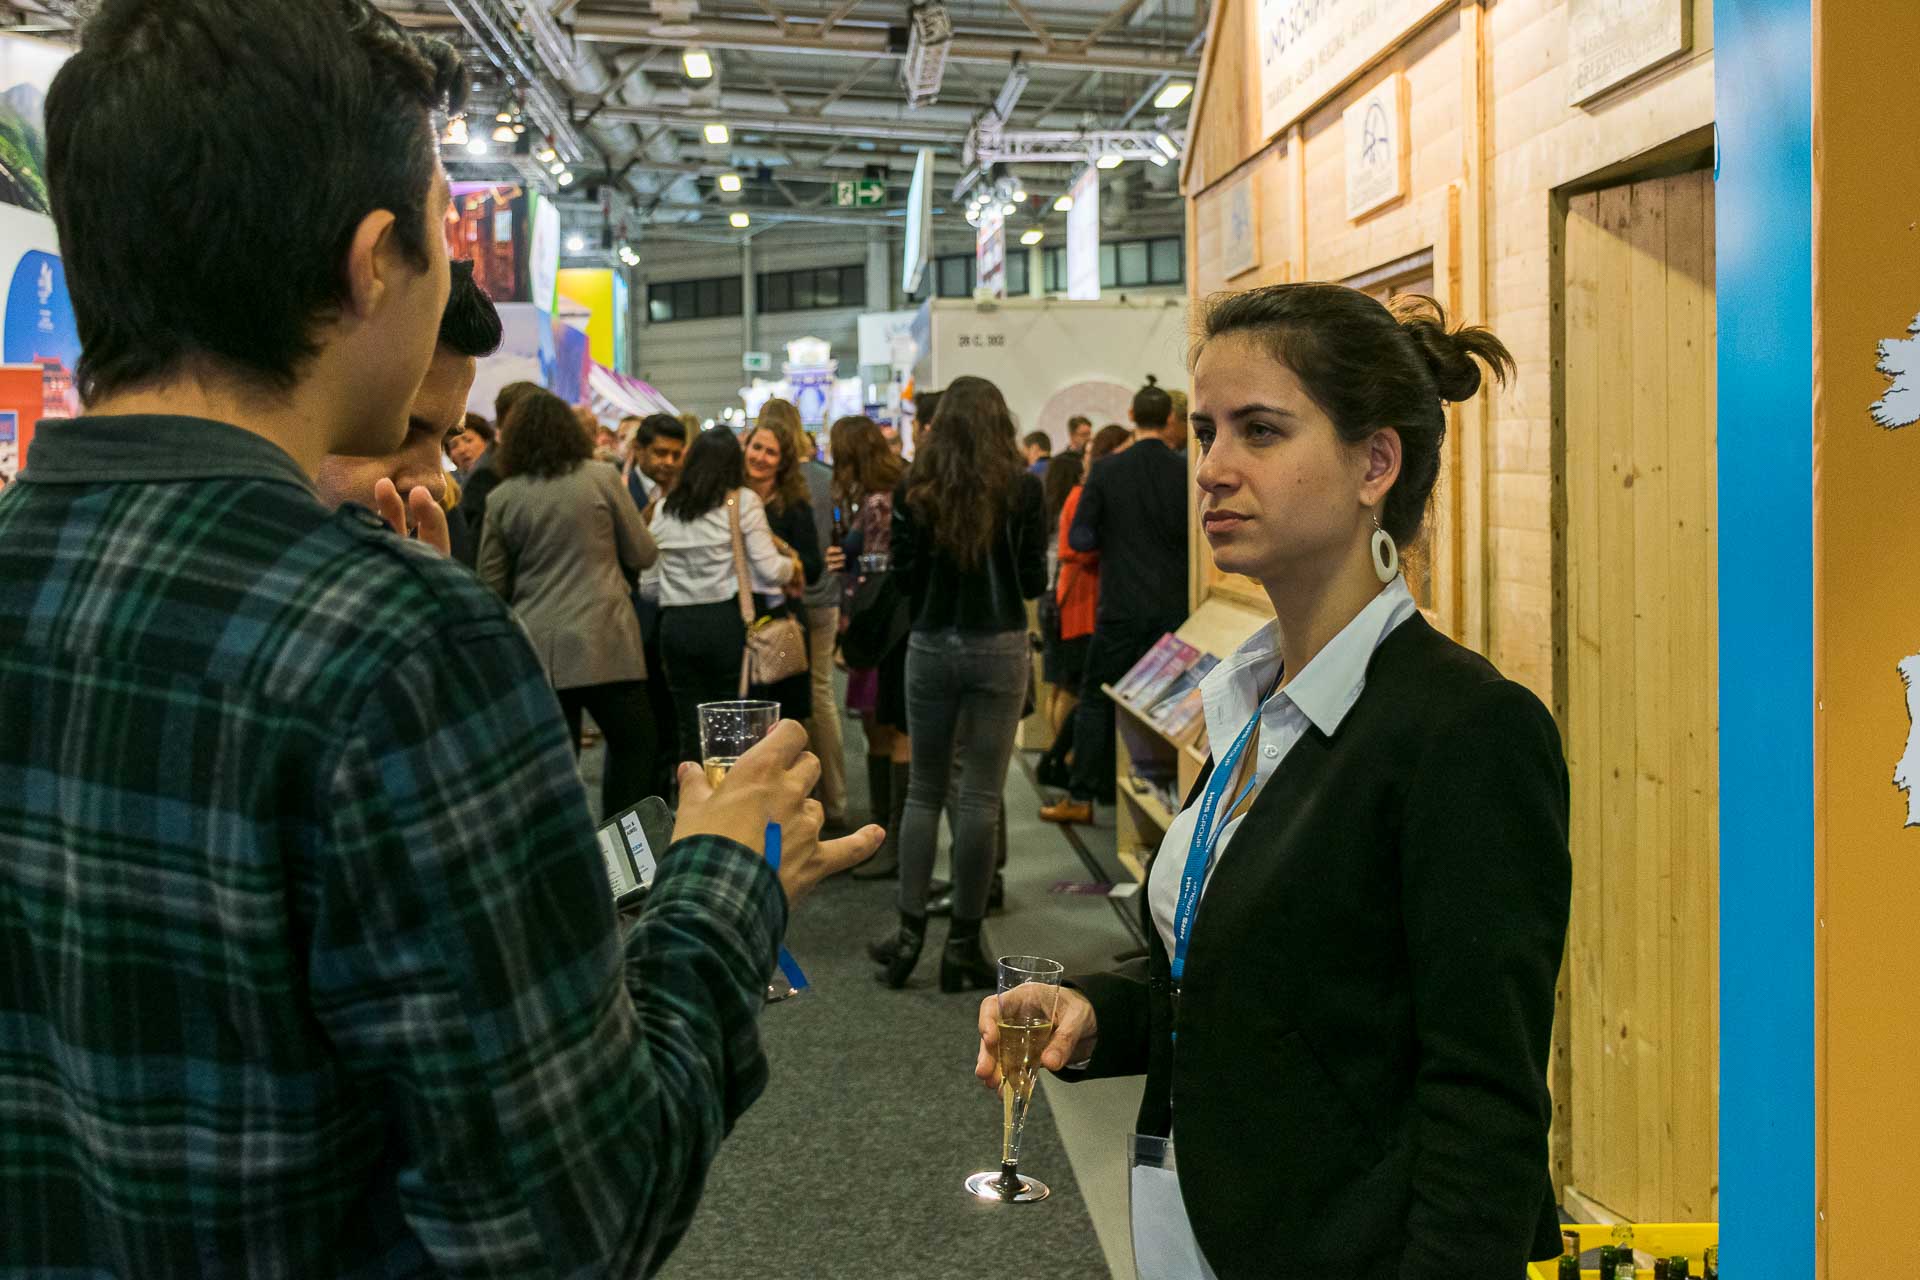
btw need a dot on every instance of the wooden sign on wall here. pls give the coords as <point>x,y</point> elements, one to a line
<point>1611,41</point>
<point>1376,148</point>
<point>1240,230</point>
<point>1307,49</point>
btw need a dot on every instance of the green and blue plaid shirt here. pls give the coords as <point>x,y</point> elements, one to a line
<point>308,966</point>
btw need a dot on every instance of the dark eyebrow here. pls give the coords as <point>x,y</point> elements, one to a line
<point>1271,410</point>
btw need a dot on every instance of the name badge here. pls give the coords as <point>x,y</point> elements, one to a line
<point>1163,1243</point>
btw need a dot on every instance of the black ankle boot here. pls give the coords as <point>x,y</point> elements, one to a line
<point>888,783</point>
<point>964,963</point>
<point>900,951</point>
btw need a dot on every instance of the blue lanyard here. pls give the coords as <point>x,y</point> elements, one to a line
<point>788,966</point>
<point>1207,830</point>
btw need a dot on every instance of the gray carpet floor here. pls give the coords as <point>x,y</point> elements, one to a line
<point>850,1166</point>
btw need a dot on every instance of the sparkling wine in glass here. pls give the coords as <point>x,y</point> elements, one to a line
<point>1028,998</point>
<point>728,730</point>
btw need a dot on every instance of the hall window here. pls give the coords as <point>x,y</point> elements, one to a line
<point>669,300</point>
<point>813,288</point>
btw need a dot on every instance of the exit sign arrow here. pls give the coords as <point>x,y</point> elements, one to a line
<point>862,194</point>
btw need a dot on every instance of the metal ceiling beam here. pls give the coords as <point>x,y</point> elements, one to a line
<point>1039,29</point>
<point>1116,18</point>
<point>769,122</point>
<point>832,20</point>
<point>867,42</point>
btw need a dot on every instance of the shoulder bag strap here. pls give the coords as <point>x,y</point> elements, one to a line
<point>746,588</point>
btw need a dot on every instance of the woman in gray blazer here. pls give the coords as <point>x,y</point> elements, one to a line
<point>562,544</point>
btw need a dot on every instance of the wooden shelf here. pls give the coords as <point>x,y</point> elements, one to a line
<point>1135,865</point>
<point>1147,803</point>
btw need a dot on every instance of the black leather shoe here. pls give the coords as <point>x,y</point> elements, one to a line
<point>964,964</point>
<point>899,951</point>
<point>1053,773</point>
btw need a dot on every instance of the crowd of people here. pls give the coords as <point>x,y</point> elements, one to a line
<point>310,963</point>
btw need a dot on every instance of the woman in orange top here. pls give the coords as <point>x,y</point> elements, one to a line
<point>1077,593</point>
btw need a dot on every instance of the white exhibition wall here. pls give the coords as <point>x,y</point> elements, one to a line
<point>1053,358</point>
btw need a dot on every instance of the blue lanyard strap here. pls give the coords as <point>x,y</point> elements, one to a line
<point>1210,823</point>
<point>788,966</point>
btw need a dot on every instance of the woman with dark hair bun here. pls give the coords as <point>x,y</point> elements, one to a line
<point>1356,924</point>
<point>561,542</point>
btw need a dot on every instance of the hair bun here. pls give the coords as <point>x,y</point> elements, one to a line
<point>1152,381</point>
<point>1450,356</point>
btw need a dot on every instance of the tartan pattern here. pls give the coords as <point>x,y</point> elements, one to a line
<point>307,962</point>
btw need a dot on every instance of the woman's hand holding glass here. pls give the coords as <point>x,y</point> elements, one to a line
<point>836,560</point>
<point>1074,1031</point>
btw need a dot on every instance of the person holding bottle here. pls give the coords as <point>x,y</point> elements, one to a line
<point>1356,924</point>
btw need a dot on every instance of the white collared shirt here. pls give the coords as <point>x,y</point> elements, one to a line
<point>696,558</point>
<point>1321,696</point>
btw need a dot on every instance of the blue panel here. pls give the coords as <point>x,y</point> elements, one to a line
<point>1763,78</point>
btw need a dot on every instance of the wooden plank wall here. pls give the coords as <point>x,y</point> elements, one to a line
<point>1492,141</point>
<point>1642,722</point>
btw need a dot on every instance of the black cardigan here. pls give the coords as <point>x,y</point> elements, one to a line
<point>1360,1085</point>
<point>989,597</point>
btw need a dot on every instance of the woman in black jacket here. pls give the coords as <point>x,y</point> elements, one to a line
<point>970,548</point>
<point>1357,922</point>
<point>775,449</point>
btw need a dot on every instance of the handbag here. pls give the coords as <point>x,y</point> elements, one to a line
<point>776,647</point>
<point>878,618</point>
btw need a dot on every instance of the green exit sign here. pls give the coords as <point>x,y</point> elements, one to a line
<point>861,194</point>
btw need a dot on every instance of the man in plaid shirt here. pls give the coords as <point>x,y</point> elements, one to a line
<point>307,963</point>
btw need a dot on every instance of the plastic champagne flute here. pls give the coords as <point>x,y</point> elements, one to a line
<point>1027,999</point>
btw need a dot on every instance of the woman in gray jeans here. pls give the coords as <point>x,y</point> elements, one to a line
<point>970,548</point>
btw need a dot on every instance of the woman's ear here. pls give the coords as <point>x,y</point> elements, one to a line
<point>1383,455</point>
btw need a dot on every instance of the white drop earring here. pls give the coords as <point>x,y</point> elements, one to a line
<point>1386,555</point>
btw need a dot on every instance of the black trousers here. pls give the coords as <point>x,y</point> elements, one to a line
<point>666,726</point>
<point>1116,647</point>
<point>701,645</point>
<point>626,723</point>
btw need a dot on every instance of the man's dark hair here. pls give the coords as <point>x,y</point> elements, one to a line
<point>1078,420</point>
<point>182,135</point>
<point>471,324</point>
<point>656,425</point>
<point>509,396</point>
<point>714,467</point>
<point>545,439</point>
<point>1038,440</point>
<point>481,427</point>
<point>1151,406</point>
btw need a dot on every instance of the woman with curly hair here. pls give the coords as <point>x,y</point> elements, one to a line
<point>774,450</point>
<point>561,542</point>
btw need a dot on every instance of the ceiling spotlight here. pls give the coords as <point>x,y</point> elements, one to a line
<point>477,147</point>
<point>1168,147</point>
<point>1158,161</point>
<point>456,134</point>
<point>729,182</point>
<point>505,117</point>
<point>566,179</point>
<point>1108,162</point>
<point>1019,196</point>
<point>1173,95</point>
<point>505,133</point>
<point>519,128</point>
<point>545,155</point>
<point>1008,209</point>
<point>740,220</point>
<point>1034,236</point>
<point>717,135</point>
<point>556,168</point>
<point>576,244</point>
<point>697,63</point>
<point>1063,204</point>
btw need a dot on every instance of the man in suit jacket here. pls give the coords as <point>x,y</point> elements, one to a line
<point>1133,511</point>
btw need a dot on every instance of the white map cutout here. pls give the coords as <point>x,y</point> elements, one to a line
<point>1900,361</point>
<point>1906,774</point>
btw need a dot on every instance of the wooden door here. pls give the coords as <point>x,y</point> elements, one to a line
<point>1639,698</point>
